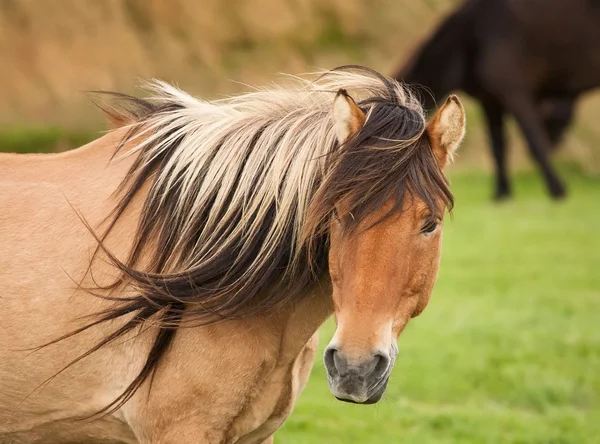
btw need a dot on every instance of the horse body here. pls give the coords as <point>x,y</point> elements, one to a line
<point>41,302</point>
<point>530,59</point>
<point>164,284</point>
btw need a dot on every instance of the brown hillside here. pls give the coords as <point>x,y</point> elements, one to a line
<point>53,50</point>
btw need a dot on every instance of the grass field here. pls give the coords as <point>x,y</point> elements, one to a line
<point>508,350</point>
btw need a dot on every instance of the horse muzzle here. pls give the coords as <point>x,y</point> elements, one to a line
<point>360,381</point>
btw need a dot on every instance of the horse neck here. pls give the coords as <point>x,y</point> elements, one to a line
<point>304,317</point>
<point>89,176</point>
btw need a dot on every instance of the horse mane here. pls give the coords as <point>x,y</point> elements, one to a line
<point>240,192</point>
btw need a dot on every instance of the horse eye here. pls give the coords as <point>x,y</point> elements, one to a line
<point>429,226</point>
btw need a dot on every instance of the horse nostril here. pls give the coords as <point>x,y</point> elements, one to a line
<point>381,366</point>
<point>329,359</point>
<point>335,363</point>
<point>341,364</point>
<point>338,365</point>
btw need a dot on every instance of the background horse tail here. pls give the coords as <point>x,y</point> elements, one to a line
<point>439,64</point>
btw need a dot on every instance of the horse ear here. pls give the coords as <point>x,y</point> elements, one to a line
<point>446,130</point>
<point>348,118</point>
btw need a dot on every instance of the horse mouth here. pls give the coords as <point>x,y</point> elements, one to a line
<point>373,398</point>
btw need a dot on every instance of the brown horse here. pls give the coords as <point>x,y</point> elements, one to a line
<point>164,284</point>
<point>531,58</point>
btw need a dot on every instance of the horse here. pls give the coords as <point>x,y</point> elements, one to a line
<point>164,284</point>
<point>529,59</point>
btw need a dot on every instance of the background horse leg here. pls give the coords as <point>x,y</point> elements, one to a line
<point>558,113</point>
<point>494,114</point>
<point>522,106</point>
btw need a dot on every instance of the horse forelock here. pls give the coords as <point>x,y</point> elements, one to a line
<point>241,191</point>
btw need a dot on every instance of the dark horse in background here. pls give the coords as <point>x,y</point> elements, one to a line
<point>529,58</point>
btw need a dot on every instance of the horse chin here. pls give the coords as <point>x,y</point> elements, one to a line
<point>373,398</point>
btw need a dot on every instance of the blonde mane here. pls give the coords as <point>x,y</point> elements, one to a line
<point>265,146</point>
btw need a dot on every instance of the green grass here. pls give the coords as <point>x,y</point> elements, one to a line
<point>42,139</point>
<point>508,350</point>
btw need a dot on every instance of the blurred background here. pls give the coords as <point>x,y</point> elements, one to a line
<point>54,51</point>
<point>508,350</point>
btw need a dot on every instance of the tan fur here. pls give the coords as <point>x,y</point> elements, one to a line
<point>234,382</point>
<point>371,313</point>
